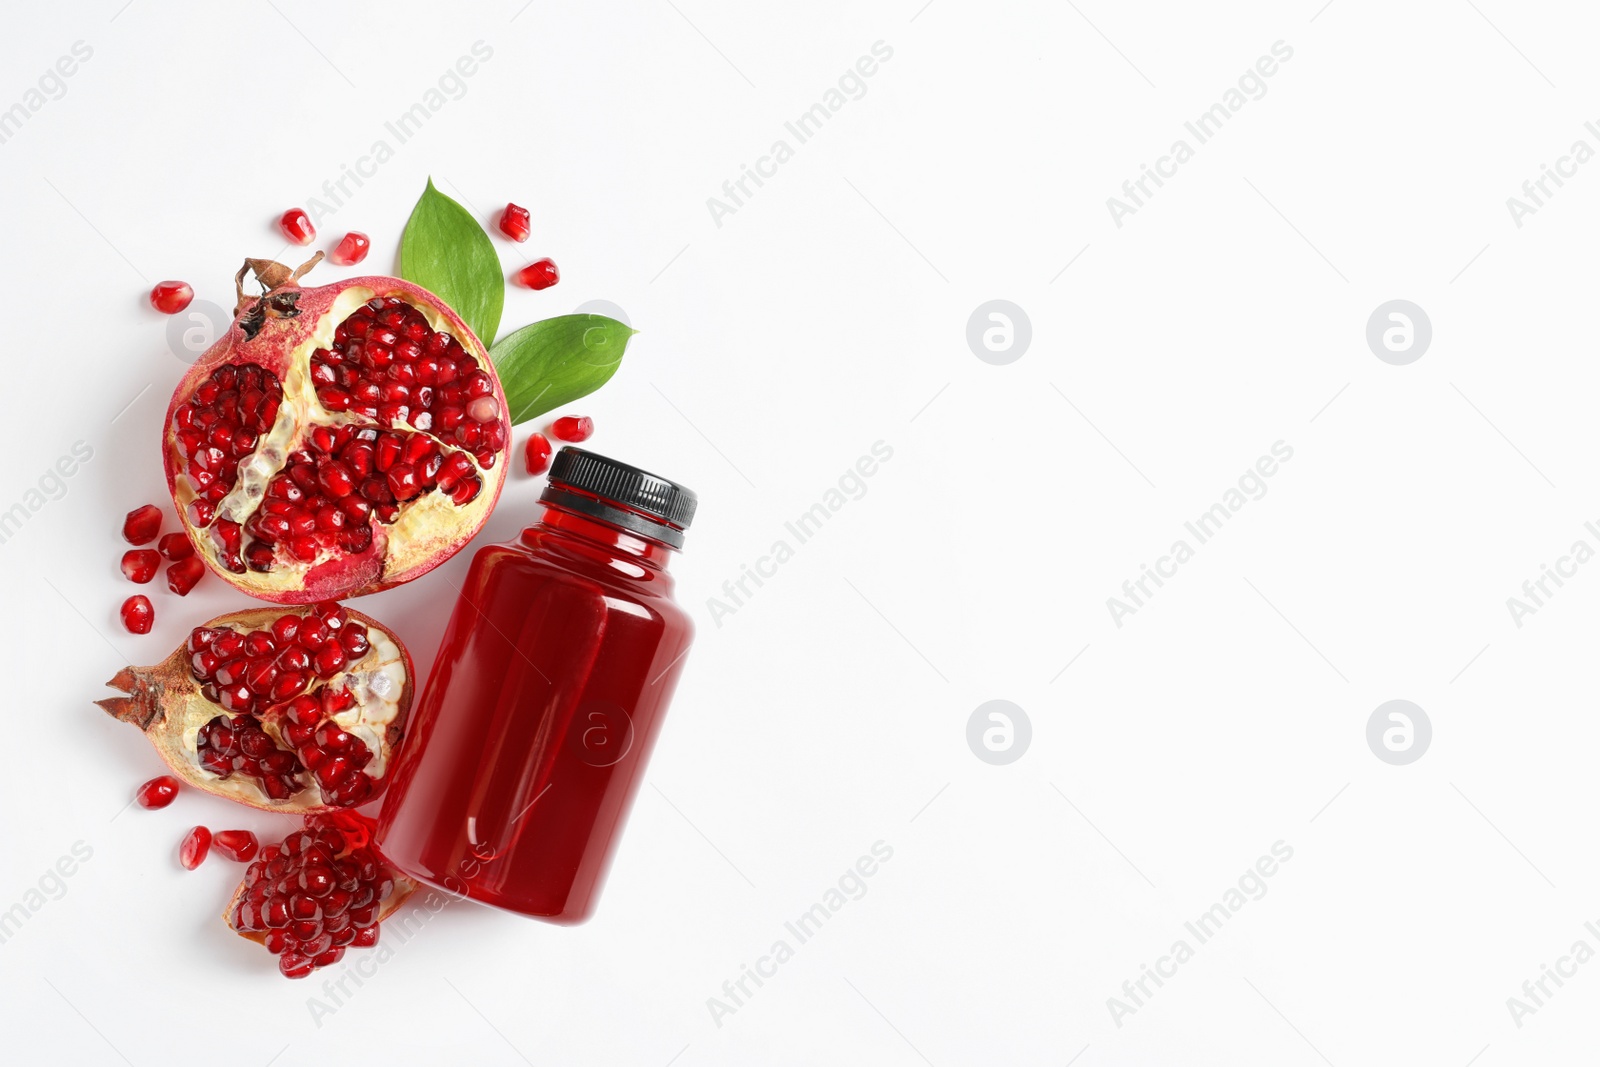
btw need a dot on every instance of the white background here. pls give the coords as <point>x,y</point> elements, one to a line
<point>829,711</point>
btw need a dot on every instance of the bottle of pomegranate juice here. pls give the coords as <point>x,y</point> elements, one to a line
<point>531,736</point>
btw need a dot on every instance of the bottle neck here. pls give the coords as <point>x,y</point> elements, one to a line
<point>643,549</point>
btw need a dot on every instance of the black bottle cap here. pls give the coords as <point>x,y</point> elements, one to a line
<point>623,495</point>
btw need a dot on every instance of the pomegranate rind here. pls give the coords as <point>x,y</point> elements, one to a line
<point>430,528</point>
<point>165,702</point>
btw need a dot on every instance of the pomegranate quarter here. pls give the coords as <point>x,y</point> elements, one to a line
<point>335,441</point>
<point>320,891</point>
<point>293,711</point>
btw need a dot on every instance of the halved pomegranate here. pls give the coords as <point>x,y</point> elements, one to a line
<point>297,710</point>
<point>321,890</point>
<point>335,441</point>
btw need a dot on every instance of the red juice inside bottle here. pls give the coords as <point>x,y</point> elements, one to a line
<point>528,745</point>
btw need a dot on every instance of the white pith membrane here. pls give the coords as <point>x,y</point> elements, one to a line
<point>424,525</point>
<point>376,681</point>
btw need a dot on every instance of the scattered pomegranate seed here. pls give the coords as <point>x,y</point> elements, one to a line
<point>182,575</point>
<point>296,226</point>
<point>175,546</point>
<point>171,297</point>
<point>540,274</point>
<point>193,851</point>
<point>240,845</point>
<point>352,248</point>
<point>514,222</point>
<point>139,565</point>
<point>142,525</point>
<point>157,792</point>
<point>572,428</point>
<point>538,454</point>
<point>137,614</point>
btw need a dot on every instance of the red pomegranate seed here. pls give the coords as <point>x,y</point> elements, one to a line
<point>175,546</point>
<point>514,222</point>
<point>570,428</point>
<point>137,614</point>
<point>540,274</point>
<point>139,565</point>
<point>352,248</point>
<point>294,965</point>
<point>537,454</point>
<point>142,525</point>
<point>194,848</point>
<point>296,226</point>
<point>171,297</point>
<point>182,575</point>
<point>157,792</point>
<point>240,845</point>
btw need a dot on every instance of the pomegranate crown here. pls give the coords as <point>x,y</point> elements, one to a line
<point>279,297</point>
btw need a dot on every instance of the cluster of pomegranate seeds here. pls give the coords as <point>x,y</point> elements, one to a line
<point>352,248</point>
<point>296,226</point>
<point>267,674</point>
<point>540,274</point>
<point>222,424</point>
<point>514,223</point>
<point>238,845</point>
<point>192,852</point>
<point>226,745</point>
<point>157,792</point>
<point>388,364</point>
<point>139,565</point>
<point>142,525</point>
<point>572,428</point>
<point>313,896</point>
<point>137,614</point>
<point>327,493</point>
<point>171,297</point>
<point>335,758</point>
<point>247,672</point>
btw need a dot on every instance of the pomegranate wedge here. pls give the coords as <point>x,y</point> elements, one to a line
<point>297,710</point>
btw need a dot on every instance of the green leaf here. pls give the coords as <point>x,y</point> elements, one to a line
<point>445,251</point>
<point>554,362</point>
